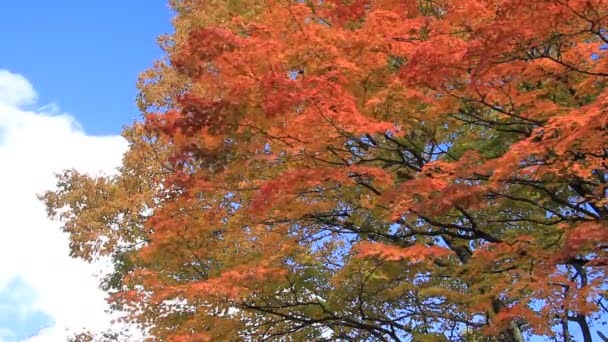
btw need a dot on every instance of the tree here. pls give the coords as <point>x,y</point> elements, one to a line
<point>361,170</point>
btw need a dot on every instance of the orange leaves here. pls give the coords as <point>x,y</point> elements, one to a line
<point>304,108</point>
<point>289,184</point>
<point>520,312</point>
<point>414,254</point>
<point>424,185</point>
<point>586,235</point>
<point>562,142</point>
<point>431,66</point>
<point>583,129</point>
<point>197,337</point>
<point>435,192</point>
<point>233,284</point>
<point>229,284</point>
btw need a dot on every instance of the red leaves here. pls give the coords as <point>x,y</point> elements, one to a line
<point>342,12</point>
<point>202,47</point>
<point>196,116</point>
<point>282,93</point>
<point>198,113</point>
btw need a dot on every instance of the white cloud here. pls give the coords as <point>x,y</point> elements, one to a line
<point>15,90</point>
<point>33,146</point>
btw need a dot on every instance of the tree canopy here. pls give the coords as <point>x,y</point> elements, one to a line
<point>360,170</point>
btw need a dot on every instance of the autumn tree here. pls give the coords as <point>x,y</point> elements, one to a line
<point>362,170</point>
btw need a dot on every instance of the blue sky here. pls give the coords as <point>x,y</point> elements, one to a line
<point>67,77</point>
<point>17,321</point>
<point>84,55</point>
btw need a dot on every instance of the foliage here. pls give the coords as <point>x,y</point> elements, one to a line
<point>361,170</point>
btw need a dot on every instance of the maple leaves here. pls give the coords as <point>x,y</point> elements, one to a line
<point>361,170</point>
<point>392,253</point>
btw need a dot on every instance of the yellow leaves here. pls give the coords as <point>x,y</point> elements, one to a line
<point>91,209</point>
